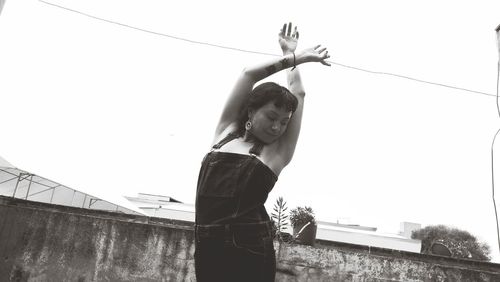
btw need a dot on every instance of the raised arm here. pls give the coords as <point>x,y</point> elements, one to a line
<point>240,93</point>
<point>244,85</point>
<point>288,141</point>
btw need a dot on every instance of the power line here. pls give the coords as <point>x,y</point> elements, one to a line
<point>261,53</point>
<point>414,79</point>
<point>158,33</point>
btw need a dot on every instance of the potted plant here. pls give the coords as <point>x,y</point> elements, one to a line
<point>304,225</point>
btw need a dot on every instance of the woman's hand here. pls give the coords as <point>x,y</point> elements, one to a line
<point>288,40</point>
<point>315,54</point>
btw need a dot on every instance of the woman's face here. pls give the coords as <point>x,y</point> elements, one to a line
<point>269,122</point>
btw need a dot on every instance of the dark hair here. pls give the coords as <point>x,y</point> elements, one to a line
<point>263,94</point>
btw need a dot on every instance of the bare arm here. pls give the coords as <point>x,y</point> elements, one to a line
<point>288,141</point>
<point>244,85</point>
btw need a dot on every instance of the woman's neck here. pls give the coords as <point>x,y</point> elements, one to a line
<point>250,138</point>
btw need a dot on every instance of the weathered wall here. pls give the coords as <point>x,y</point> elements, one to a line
<point>41,242</point>
<point>345,262</point>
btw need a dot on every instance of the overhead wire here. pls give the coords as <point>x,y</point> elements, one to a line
<point>414,79</point>
<point>258,52</point>
<point>158,33</point>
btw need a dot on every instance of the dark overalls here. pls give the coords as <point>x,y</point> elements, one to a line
<point>233,230</point>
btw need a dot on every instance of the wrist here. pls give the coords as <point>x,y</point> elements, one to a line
<point>290,59</point>
<point>299,58</point>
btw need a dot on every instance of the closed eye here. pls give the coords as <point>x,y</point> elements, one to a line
<point>271,117</point>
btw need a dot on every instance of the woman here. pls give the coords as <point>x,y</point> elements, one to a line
<point>254,140</point>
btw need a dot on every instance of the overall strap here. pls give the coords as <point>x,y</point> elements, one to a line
<point>255,150</point>
<point>225,140</point>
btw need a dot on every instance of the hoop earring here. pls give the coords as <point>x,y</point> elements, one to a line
<point>248,125</point>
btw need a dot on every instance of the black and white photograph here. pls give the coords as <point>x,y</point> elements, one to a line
<point>226,141</point>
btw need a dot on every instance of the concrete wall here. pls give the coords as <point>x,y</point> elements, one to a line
<point>42,242</point>
<point>329,261</point>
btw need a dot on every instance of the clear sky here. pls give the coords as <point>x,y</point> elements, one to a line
<point>112,110</point>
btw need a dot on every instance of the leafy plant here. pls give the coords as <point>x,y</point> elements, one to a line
<point>280,218</point>
<point>460,243</point>
<point>300,216</point>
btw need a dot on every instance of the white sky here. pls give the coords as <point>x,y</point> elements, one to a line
<point>114,111</point>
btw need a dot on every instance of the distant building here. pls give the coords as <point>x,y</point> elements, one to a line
<point>369,236</point>
<point>163,206</point>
